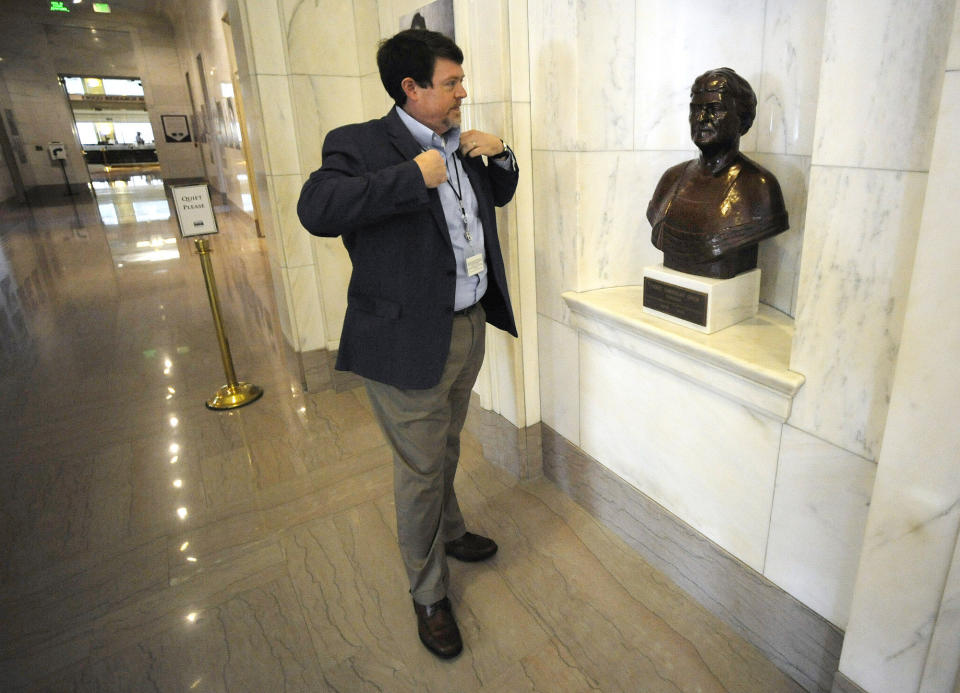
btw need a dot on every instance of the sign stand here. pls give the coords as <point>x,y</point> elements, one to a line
<point>195,216</point>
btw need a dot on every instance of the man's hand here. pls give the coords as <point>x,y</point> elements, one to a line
<point>474,143</point>
<point>432,167</point>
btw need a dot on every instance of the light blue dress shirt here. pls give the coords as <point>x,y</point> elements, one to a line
<point>470,289</point>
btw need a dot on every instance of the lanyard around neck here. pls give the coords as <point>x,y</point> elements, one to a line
<point>458,192</point>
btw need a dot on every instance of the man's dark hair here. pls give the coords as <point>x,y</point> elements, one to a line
<point>730,82</point>
<point>413,53</point>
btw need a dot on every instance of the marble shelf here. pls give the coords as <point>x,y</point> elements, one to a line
<point>747,362</point>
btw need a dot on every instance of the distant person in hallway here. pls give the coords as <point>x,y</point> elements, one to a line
<point>710,213</point>
<point>413,198</point>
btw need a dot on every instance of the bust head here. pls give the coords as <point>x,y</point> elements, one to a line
<point>722,108</point>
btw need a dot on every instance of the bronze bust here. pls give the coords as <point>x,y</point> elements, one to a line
<point>708,214</point>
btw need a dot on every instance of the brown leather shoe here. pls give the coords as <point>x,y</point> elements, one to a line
<point>438,629</point>
<point>471,547</point>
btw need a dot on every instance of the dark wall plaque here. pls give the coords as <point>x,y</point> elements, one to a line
<point>674,300</point>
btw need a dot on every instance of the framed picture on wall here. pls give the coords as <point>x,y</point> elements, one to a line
<point>175,128</point>
<point>437,16</point>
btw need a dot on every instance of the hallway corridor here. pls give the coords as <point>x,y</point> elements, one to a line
<point>149,544</point>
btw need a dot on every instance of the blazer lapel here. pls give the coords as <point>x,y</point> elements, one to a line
<point>409,149</point>
<point>400,136</point>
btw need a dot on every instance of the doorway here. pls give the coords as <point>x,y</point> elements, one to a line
<point>112,124</point>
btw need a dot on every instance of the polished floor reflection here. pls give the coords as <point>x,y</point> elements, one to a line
<point>152,545</point>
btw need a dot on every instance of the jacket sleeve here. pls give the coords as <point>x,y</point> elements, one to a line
<point>503,181</point>
<point>346,193</point>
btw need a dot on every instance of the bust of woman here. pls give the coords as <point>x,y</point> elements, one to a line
<point>708,214</point>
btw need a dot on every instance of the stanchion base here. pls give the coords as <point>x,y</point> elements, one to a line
<point>231,397</point>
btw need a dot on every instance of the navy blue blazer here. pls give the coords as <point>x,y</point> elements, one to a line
<point>370,192</point>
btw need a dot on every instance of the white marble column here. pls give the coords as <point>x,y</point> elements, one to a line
<point>493,36</point>
<point>305,73</point>
<point>904,632</point>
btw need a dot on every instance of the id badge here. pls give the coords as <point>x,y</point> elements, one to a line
<point>475,264</point>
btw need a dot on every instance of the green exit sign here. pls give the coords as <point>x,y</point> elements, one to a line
<point>58,6</point>
<point>101,7</point>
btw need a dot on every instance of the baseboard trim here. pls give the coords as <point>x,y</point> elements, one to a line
<point>800,642</point>
<point>841,684</point>
<point>317,371</point>
<point>516,450</point>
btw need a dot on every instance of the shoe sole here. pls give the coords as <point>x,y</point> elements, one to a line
<point>453,554</point>
<point>441,655</point>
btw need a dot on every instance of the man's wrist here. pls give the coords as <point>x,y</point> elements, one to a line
<point>502,155</point>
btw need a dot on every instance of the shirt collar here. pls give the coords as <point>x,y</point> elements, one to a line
<point>427,138</point>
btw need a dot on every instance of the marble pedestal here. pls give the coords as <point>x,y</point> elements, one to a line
<point>700,303</point>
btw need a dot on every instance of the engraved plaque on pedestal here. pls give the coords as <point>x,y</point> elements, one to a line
<point>700,303</point>
<point>675,300</point>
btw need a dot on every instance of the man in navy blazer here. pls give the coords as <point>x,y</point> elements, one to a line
<point>413,200</point>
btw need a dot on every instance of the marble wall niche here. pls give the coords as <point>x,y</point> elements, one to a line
<point>628,66</point>
<point>778,51</point>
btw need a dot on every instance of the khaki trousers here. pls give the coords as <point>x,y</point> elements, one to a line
<point>423,429</point>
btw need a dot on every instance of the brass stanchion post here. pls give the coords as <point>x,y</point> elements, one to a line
<point>233,394</point>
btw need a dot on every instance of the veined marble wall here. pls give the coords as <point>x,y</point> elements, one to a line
<point>610,99</point>
<point>904,633</point>
<point>594,168</point>
<point>866,191</point>
<point>305,65</point>
<point>310,67</point>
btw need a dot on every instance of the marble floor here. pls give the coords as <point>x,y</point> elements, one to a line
<point>149,544</point>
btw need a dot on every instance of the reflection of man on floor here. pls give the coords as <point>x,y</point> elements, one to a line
<point>413,200</point>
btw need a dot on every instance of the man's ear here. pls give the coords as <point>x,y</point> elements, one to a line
<point>409,87</point>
